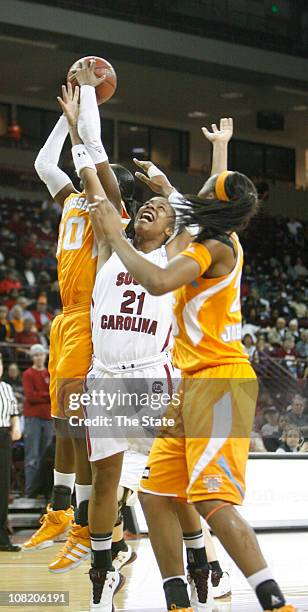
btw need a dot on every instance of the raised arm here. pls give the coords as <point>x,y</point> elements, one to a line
<point>57,182</point>
<point>84,164</point>
<point>219,138</point>
<point>89,129</point>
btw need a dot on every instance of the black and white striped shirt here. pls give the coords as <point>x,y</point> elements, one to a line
<point>8,404</point>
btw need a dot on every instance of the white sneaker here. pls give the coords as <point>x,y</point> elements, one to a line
<point>201,590</point>
<point>105,585</point>
<point>124,557</point>
<point>223,588</point>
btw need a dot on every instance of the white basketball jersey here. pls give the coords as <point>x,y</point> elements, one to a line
<point>127,322</point>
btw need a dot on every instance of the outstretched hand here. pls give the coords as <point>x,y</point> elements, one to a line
<point>70,103</point>
<point>85,73</point>
<point>223,134</point>
<point>158,183</point>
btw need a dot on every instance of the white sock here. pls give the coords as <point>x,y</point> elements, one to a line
<point>173,578</point>
<point>64,480</point>
<point>83,493</point>
<point>261,576</point>
<point>101,541</point>
<point>194,541</point>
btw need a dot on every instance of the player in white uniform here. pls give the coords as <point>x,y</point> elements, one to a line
<point>153,226</point>
<point>131,336</point>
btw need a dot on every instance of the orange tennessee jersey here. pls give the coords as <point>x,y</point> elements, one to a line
<point>207,315</point>
<point>77,251</point>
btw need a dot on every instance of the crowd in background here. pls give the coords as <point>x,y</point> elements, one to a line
<point>274,306</point>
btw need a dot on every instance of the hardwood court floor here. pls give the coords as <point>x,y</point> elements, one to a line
<point>287,553</point>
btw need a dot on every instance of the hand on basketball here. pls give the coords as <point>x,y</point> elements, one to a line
<point>69,104</point>
<point>85,74</point>
<point>157,183</point>
<point>106,221</point>
<point>223,134</point>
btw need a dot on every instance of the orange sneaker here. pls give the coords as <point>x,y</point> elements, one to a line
<point>76,549</point>
<point>54,527</point>
<point>181,609</point>
<point>287,608</point>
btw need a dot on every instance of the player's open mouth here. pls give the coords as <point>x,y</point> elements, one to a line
<point>147,216</point>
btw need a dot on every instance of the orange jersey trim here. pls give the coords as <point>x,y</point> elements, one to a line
<point>200,254</point>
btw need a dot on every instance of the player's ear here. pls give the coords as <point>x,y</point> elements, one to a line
<point>168,231</point>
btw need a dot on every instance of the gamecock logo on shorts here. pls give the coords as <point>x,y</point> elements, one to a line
<point>213,483</point>
<point>157,386</point>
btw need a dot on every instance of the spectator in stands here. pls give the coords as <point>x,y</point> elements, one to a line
<point>46,231</point>
<point>249,346</point>
<point>299,268</point>
<point>17,319</point>
<point>13,378</point>
<point>296,413</point>
<point>6,328</point>
<point>8,281</point>
<point>28,274</point>
<point>288,355</point>
<point>38,424</point>
<point>30,247</point>
<point>16,224</point>
<point>270,430</point>
<point>291,440</point>
<point>29,334</point>
<point>250,328</point>
<point>44,335</point>
<point>294,226</point>
<point>299,305</point>
<point>23,302</point>
<point>282,423</point>
<point>41,314</point>
<point>293,329</point>
<point>277,334</point>
<point>49,260</point>
<point>256,443</point>
<point>302,344</point>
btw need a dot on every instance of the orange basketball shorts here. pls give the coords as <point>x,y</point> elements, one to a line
<point>204,455</point>
<point>69,357</point>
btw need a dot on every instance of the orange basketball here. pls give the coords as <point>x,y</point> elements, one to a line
<point>105,90</point>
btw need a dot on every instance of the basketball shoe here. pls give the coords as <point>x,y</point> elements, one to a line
<point>201,591</point>
<point>76,549</point>
<point>54,527</point>
<point>105,585</point>
<point>221,584</point>
<point>124,557</point>
<point>181,609</point>
<point>286,608</point>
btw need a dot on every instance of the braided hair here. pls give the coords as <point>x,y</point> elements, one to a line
<point>234,203</point>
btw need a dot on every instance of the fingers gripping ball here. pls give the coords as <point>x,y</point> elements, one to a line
<point>105,90</point>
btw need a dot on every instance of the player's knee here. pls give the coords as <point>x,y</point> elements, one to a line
<point>205,507</point>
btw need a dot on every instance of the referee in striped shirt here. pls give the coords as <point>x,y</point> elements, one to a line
<point>9,431</point>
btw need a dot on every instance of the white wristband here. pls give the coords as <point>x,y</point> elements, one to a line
<point>82,159</point>
<point>154,171</point>
<point>97,152</point>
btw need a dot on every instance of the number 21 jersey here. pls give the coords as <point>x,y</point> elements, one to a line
<point>128,323</point>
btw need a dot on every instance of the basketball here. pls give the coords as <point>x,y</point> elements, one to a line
<point>105,90</point>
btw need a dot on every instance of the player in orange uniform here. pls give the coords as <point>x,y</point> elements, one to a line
<point>202,458</point>
<point>70,342</point>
